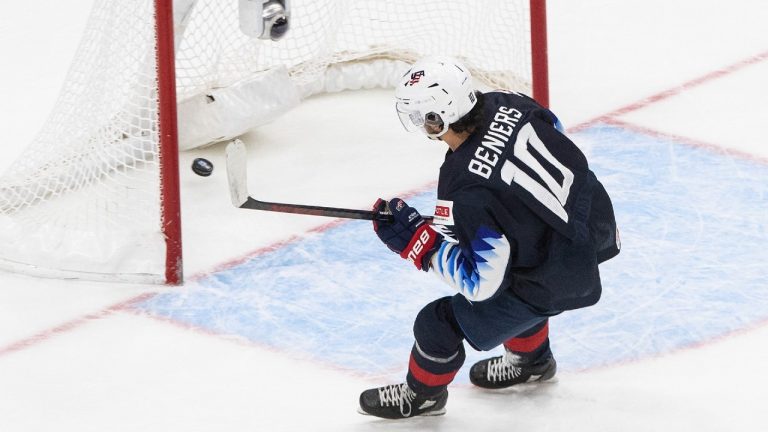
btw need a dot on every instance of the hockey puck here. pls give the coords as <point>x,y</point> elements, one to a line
<point>202,167</point>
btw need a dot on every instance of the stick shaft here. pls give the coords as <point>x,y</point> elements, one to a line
<point>314,210</point>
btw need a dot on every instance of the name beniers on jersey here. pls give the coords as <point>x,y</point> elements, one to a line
<point>495,140</point>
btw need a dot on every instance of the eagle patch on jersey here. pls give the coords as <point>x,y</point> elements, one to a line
<point>444,212</point>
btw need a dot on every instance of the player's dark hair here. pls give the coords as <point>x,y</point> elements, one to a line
<point>471,120</point>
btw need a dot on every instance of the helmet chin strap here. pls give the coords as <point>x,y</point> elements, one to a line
<point>437,136</point>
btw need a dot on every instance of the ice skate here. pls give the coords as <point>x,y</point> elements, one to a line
<point>507,370</point>
<point>398,401</point>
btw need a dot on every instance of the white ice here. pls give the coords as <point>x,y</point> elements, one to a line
<point>71,359</point>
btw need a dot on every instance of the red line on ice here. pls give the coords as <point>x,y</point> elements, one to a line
<point>674,91</point>
<point>606,118</point>
<point>71,325</point>
<point>684,140</point>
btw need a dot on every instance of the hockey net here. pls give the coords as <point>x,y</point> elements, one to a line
<point>85,199</point>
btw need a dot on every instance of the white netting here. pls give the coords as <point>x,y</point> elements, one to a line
<point>83,199</point>
<point>491,36</point>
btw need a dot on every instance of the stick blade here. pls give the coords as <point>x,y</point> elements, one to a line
<point>237,172</point>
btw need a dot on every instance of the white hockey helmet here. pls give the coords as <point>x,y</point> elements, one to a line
<point>432,94</point>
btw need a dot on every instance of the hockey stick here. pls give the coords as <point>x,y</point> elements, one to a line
<point>237,174</point>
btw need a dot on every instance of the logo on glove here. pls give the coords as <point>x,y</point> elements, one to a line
<point>418,246</point>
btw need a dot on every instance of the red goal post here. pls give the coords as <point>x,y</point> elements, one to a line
<point>539,53</point>
<point>96,194</point>
<point>170,192</point>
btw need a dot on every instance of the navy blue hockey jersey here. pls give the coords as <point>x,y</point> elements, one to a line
<point>524,210</point>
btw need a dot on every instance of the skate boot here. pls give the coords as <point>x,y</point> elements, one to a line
<point>507,370</point>
<point>398,401</point>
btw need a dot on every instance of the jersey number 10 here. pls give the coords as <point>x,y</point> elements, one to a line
<point>552,194</point>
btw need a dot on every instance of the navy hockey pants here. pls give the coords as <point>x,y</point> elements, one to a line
<point>441,326</point>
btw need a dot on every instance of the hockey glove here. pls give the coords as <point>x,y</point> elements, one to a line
<point>408,234</point>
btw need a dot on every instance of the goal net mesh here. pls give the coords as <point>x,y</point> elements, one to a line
<point>83,199</point>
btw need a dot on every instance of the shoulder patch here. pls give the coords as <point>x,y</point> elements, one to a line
<point>444,212</point>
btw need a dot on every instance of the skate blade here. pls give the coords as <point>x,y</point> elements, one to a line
<point>439,412</point>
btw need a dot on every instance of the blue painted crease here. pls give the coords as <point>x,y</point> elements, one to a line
<point>693,225</point>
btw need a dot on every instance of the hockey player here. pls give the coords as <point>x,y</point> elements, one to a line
<point>523,224</point>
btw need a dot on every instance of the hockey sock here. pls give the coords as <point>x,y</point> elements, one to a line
<point>532,344</point>
<point>438,352</point>
<point>429,375</point>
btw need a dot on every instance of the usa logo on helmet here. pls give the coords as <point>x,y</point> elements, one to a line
<point>415,77</point>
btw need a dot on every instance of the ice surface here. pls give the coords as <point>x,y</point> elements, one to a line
<point>284,319</point>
